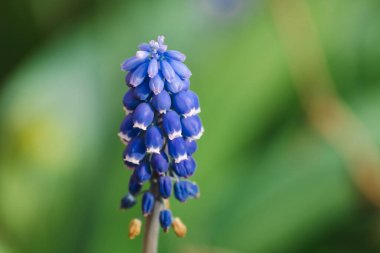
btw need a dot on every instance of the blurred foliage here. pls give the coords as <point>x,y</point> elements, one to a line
<point>269,183</point>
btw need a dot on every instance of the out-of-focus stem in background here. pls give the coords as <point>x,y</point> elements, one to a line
<point>326,111</point>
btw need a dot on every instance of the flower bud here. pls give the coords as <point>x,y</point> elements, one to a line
<point>175,55</point>
<point>176,85</point>
<point>186,103</point>
<point>139,74</point>
<point>191,147</point>
<point>143,172</point>
<point>165,186</point>
<point>134,228</point>
<point>127,132</point>
<point>143,91</point>
<point>185,189</point>
<point>153,68</point>
<point>186,84</point>
<point>167,71</point>
<point>130,102</point>
<point>131,63</point>
<point>192,127</point>
<point>161,102</point>
<point>179,228</point>
<point>171,124</point>
<point>143,116</point>
<point>147,203</point>
<point>134,185</point>
<point>145,47</point>
<point>135,150</point>
<point>180,68</point>
<point>177,149</point>
<point>185,168</point>
<point>165,219</point>
<point>142,54</point>
<point>154,140</point>
<point>160,163</point>
<point>156,84</point>
<point>127,201</point>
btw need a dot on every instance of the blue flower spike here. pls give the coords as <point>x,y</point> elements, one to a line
<point>160,129</point>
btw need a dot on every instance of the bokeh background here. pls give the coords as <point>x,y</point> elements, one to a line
<point>290,102</point>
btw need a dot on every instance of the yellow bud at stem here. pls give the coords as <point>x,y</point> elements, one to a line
<point>179,228</point>
<point>166,203</point>
<point>134,228</point>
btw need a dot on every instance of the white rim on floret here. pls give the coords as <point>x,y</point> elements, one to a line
<point>131,159</point>
<point>140,125</point>
<point>196,137</point>
<point>192,112</point>
<point>124,138</point>
<point>174,135</point>
<point>180,158</point>
<point>153,150</point>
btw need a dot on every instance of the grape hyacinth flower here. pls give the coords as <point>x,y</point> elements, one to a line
<point>160,130</point>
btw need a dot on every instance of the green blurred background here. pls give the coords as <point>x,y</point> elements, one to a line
<point>270,180</point>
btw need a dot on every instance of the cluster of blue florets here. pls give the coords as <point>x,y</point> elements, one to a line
<point>160,128</point>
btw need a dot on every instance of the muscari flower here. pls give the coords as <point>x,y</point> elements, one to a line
<point>160,131</point>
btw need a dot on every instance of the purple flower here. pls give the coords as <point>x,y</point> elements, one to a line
<point>134,185</point>
<point>127,201</point>
<point>160,129</point>
<point>156,84</point>
<point>185,168</point>
<point>192,128</point>
<point>127,131</point>
<point>154,139</point>
<point>186,103</point>
<point>161,102</point>
<point>177,149</point>
<point>184,190</point>
<point>171,123</point>
<point>160,163</point>
<point>143,116</point>
<point>147,203</point>
<point>135,150</point>
<point>130,102</point>
<point>165,186</point>
<point>143,173</point>
<point>165,219</point>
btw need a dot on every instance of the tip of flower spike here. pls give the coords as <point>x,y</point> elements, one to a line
<point>134,228</point>
<point>179,227</point>
<point>161,39</point>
